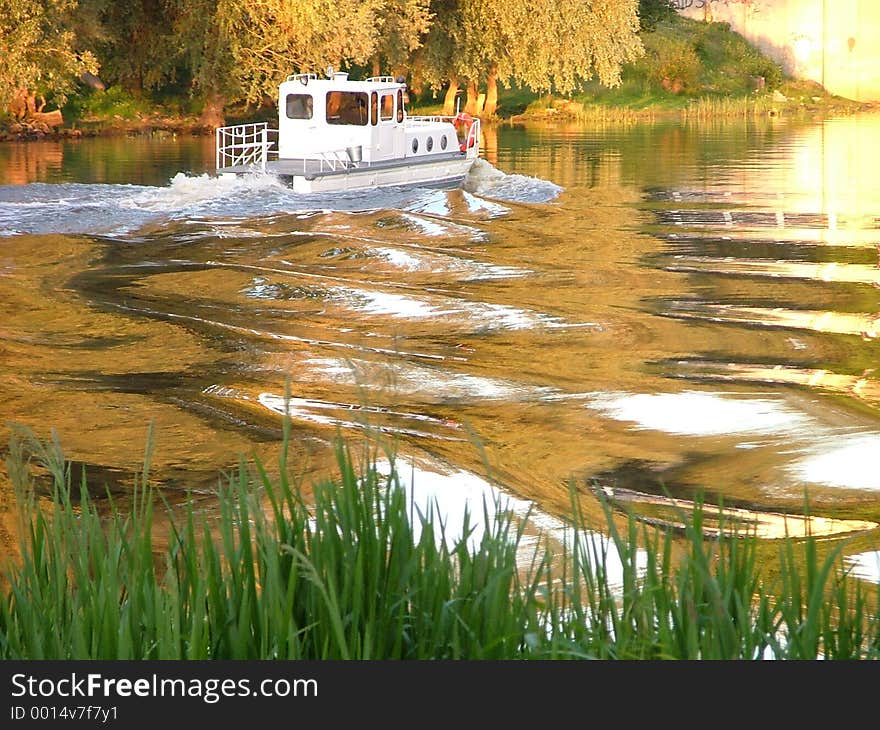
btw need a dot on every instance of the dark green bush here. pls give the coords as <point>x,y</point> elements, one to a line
<point>652,12</point>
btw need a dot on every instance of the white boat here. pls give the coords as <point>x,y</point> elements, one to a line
<point>335,134</point>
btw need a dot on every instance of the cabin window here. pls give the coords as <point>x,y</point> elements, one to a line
<point>374,108</point>
<point>387,108</point>
<point>443,142</point>
<point>415,145</point>
<point>299,106</point>
<point>347,107</point>
<point>429,145</point>
<point>400,105</point>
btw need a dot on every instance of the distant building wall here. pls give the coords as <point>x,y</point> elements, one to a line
<point>834,42</point>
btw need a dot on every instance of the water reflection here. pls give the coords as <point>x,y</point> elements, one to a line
<point>664,309</point>
<point>865,565</point>
<point>701,414</point>
<point>445,497</point>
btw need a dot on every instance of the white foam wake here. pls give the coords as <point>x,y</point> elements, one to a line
<point>486,180</point>
<point>187,192</point>
<point>106,209</point>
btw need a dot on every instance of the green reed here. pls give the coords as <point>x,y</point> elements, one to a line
<point>356,572</point>
<point>720,107</point>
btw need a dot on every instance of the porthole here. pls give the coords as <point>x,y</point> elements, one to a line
<point>415,145</point>
<point>443,142</point>
<point>429,144</point>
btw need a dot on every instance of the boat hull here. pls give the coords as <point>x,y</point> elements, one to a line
<point>442,173</point>
<point>446,171</point>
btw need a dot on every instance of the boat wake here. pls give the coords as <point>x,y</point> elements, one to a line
<point>484,179</point>
<point>111,210</point>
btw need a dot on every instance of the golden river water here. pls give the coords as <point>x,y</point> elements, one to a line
<point>653,310</point>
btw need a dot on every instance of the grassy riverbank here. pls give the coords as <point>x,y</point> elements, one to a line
<point>353,573</point>
<point>691,69</point>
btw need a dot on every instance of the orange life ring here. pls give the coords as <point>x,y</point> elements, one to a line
<point>463,123</point>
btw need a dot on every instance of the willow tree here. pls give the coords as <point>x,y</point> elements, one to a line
<point>436,58</point>
<point>239,50</point>
<point>203,51</point>
<point>40,52</point>
<point>483,48</point>
<point>270,39</point>
<point>137,47</point>
<point>569,41</point>
<point>466,40</point>
<point>545,45</point>
<point>402,26</point>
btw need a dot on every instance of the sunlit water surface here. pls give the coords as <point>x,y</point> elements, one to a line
<point>651,310</point>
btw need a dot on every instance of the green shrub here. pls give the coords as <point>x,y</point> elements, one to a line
<point>671,63</point>
<point>115,102</point>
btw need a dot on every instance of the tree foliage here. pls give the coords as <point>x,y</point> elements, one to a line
<point>542,44</point>
<point>136,45</point>
<point>239,50</point>
<point>570,41</point>
<point>268,40</point>
<point>402,27</point>
<point>435,59</point>
<point>39,48</point>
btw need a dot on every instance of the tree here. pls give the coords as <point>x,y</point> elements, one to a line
<point>40,53</point>
<point>204,33</point>
<point>546,45</point>
<point>402,27</point>
<point>268,40</point>
<point>570,41</point>
<point>137,48</point>
<point>239,50</point>
<point>484,41</point>
<point>435,59</point>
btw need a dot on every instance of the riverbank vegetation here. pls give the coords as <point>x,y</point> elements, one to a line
<point>354,571</point>
<point>692,69</point>
<point>92,66</point>
<point>234,52</point>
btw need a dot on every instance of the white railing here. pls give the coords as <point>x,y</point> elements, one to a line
<point>431,118</point>
<point>344,159</point>
<point>246,145</point>
<point>472,139</point>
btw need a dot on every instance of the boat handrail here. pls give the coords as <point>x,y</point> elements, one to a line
<point>472,139</point>
<point>341,159</point>
<point>430,118</point>
<point>300,77</point>
<point>246,145</point>
<point>382,79</point>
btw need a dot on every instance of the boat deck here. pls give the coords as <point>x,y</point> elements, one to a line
<point>311,168</point>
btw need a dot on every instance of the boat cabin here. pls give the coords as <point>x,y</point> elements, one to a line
<point>366,118</point>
